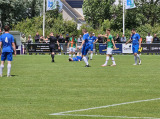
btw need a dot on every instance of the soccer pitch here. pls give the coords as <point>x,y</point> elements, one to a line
<point>40,89</point>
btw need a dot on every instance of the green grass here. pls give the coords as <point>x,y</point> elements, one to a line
<point>39,88</point>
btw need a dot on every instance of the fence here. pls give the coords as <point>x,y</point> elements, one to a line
<point>98,48</point>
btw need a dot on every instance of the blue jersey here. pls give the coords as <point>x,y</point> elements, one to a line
<point>135,39</point>
<point>92,39</point>
<point>86,39</point>
<point>7,40</point>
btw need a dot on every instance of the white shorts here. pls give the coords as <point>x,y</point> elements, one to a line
<point>71,49</point>
<point>109,51</point>
<point>23,46</point>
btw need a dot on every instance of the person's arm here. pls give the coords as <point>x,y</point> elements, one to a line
<point>105,36</point>
<point>0,47</point>
<point>128,41</point>
<point>96,40</point>
<point>125,39</point>
<point>139,43</point>
<point>113,44</point>
<point>82,44</point>
<point>152,40</point>
<point>58,45</point>
<point>76,43</point>
<point>14,48</point>
<point>146,39</point>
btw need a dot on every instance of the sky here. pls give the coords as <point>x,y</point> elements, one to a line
<point>60,3</point>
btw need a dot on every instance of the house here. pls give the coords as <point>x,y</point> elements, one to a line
<point>72,10</point>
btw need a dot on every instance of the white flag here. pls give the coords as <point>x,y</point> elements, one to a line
<point>130,4</point>
<point>51,4</point>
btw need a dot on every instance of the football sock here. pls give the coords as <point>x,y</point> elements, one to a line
<point>138,57</point>
<point>113,60</point>
<point>69,55</point>
<point>52,55</point>
<point>91,55</point>
<point>85,60</point>
<point>107,58</point>
<point>8,69</point>
<point>1,69</point>
<point>73,55</point>
<point>135,58</point>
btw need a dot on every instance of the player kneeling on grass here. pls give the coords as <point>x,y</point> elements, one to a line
<point>110,44</point>
<point>136,44</point>
<point>72,45</point>
<point>77,58</point>
<point>8,45</point>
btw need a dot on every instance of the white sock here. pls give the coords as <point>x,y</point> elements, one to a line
<point>91,55</point>
<point>138,57</point>
<point>107,58</point>
<point>8,69</point>
<point>85,60</point>
<point>70,55</point>
<point>1,69</point>
<point>113,60</point>
<point>135,58</point>
<point>73,55</point>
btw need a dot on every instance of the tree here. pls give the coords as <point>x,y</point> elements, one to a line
<point>96,11</point>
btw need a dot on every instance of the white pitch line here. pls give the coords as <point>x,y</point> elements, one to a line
<point>80,110</point>
<point>103,116</point>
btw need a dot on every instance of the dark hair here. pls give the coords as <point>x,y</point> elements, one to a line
<point>91,33</point>
<point>133,29</point>
<point>6,28</point>
<point>84,30</point>
<point>73,36</point>
<point>109,30</point>
<point>70,59</point>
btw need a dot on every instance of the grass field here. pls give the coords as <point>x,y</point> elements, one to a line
<point>39,88</point>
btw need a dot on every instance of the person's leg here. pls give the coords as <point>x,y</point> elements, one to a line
<point>1,68</point>
<point>112,58</point>
<point>107,59</point>
<point>73,54</point>
<point>73,49</point>
<point>135,58</point>
<point>91,51</point>
<point>23,50</point>
<point>84,52</point>
<point>52,55</point>
<point>9,69</point>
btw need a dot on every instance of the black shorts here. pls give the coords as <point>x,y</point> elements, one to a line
<point>52,49</point>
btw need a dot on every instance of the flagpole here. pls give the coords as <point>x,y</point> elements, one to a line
<point>44,17</point>
<point>123,19</point>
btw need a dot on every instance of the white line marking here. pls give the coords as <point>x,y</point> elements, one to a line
<point>106,106</point>
<point>103,116</point>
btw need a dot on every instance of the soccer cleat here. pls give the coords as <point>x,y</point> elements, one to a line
<point>140,62</point>
<point>113,65</point>
<point>90,59</point>
<point>134,64</point>
<point>103,65</point>
<point>9,76</point>
<point>52,60</point>
<point>87,66</point>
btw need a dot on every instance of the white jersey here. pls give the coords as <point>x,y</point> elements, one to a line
<point>149,39</point>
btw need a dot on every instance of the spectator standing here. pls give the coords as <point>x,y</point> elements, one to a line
<point>67,38</point>
<point>80,39</point>
<point>37,37</point>
<point>61,40</point>
<point>149,39</point>
<point>23,41</point>
<point>155,39</point>
<point>117,39</point>
<point>30,40</point>
<point>123,39</point>
<point>100,39</point>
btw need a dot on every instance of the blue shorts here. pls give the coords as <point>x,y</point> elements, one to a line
<point>135,48</point>
<point>6,55</point>
<point>85,49</point>
<point>91,47</point>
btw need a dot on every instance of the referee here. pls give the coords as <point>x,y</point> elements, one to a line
<point>53,40</point>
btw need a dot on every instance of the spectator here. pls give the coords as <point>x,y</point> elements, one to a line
<point>30,40</point>
<point>118,39</point>
<point>155,39</point>
<point>41,40</point>
<point>67,38</point>
<point>123,39</point>
<point>0,26</point>
<point>23,41</point>
<point>61,40</point>
<point>100,39</point>
<point>57,36</point>
<point>94,34</point>
<point>80,39</point>
<point>37,37</point>
<point>149,39</point>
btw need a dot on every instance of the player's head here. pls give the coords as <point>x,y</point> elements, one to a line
<point>84,31</point>
<point>91,34</point>
<point>155,35</point>
<point>133,31</point>
<point>70,59</point>
<point>108,31</point>
<point>149,34</point>
<point>6,28</point>
<point>51,33</point>
<point>73,36</point>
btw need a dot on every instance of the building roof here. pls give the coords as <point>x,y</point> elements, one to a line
<point>72,12</point>
<point>75,3</point>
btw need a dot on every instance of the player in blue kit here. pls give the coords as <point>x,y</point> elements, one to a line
<point>8,45</point>
<point>136,44</point>
<point>92,40</point>
<point>85,44</point>
<point>77,58</point>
